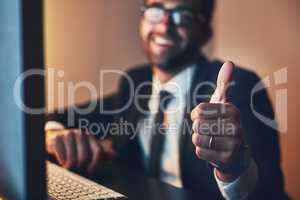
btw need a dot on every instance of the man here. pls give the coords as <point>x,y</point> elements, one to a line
<point>217,146</point>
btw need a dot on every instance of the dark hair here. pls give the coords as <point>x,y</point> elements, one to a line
<point>207,9</point>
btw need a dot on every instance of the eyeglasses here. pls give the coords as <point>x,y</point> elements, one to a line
<point>180,16</point>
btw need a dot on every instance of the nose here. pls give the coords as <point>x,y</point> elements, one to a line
<point>167,23</point>
<point>166,19</point>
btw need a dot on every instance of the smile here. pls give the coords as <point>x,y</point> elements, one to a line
<point>162,41</point>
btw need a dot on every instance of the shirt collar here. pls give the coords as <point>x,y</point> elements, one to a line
<point>178,86</point>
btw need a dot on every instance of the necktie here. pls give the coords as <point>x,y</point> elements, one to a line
<point>158,135</point>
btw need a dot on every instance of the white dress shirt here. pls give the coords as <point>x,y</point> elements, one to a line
<point>179,87</point>
<point>174,113</point>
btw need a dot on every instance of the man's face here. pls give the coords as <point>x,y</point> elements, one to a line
<point>166,43</point>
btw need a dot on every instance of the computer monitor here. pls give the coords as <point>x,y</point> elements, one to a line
<point>22,174</point>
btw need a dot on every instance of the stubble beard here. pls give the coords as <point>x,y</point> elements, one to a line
<point>174,63</point>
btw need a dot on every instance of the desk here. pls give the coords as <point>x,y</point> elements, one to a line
<point>137,187</point>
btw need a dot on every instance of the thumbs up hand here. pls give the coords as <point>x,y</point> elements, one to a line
<point>217,133</point>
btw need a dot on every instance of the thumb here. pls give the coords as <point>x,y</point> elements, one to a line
<point>223,83</point>
<point>108,148</point>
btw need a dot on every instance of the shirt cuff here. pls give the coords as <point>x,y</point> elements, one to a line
<point>53,125</point>
<point>240,188</point>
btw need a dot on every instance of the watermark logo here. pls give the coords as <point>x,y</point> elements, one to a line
<point>281,98</point>
<point>277,80</point>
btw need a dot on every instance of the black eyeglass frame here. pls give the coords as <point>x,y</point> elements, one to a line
<point>196,15</point>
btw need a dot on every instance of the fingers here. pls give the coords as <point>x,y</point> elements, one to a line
<point>71,149</point>
<point>220,127</point>
<point>110,152</point>
<point>215,157</point>
<point>59,151</point>
<point>97,155</point>
<point>83,150</point>
<point>218,143</point>
<point>213,111</point>
<point>223,83</point>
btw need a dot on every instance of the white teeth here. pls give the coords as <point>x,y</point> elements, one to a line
<point>162,41</point>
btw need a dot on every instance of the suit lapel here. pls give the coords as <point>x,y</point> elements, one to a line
<point>143,90</point>
<point>201,75</point>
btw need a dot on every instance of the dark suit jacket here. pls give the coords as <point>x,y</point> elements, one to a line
<point>197,175</point>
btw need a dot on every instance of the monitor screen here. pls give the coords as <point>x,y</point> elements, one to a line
<point>21,137</point>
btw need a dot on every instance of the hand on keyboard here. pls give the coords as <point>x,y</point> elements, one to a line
<point>74,149</point>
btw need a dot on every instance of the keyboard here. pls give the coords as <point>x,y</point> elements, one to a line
<point>65,185</point>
